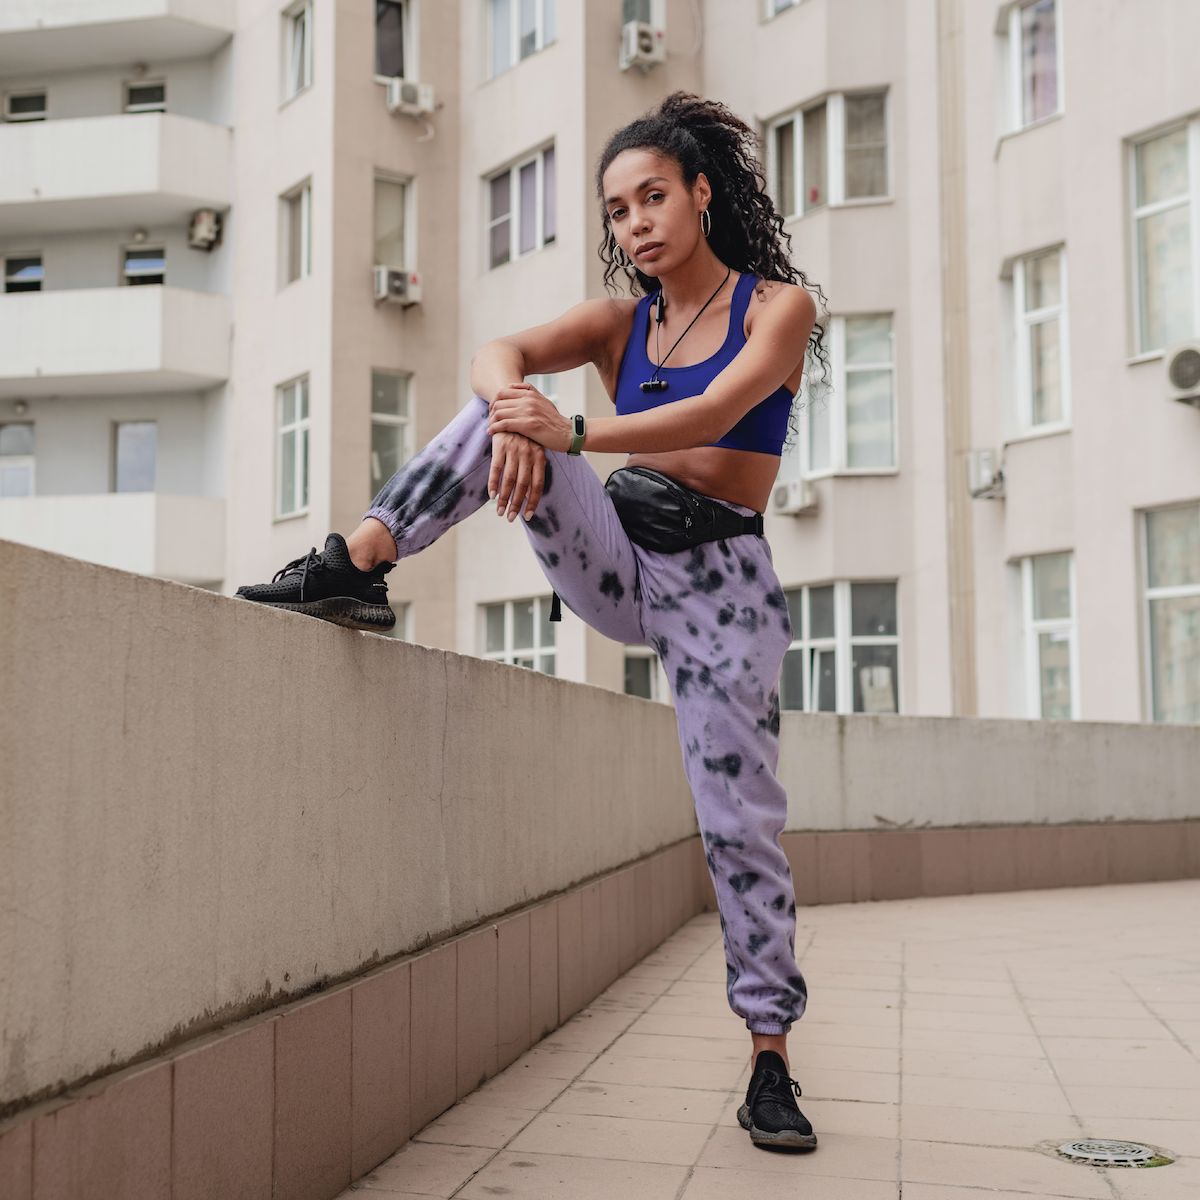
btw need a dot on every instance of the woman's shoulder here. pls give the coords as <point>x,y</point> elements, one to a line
<point>770,292</point>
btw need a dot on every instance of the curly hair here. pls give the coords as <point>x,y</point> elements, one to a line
<point>747,233</point>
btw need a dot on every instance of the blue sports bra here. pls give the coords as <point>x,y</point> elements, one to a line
<point>763,429</point>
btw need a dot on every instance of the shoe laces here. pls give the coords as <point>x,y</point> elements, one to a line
<point>312,559</point>
<point>771,1085</point>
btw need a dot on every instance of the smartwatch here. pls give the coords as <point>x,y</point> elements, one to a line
<point>578,432</point>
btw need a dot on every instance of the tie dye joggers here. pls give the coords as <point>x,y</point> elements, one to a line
<point>716,617</point>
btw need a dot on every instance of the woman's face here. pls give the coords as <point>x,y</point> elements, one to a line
<point>654,216</point>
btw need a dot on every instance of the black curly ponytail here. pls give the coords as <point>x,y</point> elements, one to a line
<point>747,233</point>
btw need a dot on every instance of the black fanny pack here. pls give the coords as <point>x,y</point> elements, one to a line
<point>659,514</point>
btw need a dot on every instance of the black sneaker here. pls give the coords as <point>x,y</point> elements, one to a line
<point>328,585</point>
<point>770,1112</point>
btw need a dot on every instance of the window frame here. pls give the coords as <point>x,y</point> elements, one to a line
<point>408,22</point>
<point>1149,594</point>
<point>302,192</point>
<point>406,423</point>
<point>1030,631</point>
<point>1023,366</point>
<point>293,17</point>
<point>660,687</point>
<point>1014,77</point>
<point>1137,213</point>
<point>842,644</point>
<point>514,207</point>
<point>514,33</point>
<point>300,425</point>
<point>11,118</point>
<point>835,398</point>
<point>22,460</point>
<point>775,8</point>
<point>835,151</point>
<point>510,653</point>
<point>18,256</point>
<point>114,457</point>
<point>126,107</point>
<point>409,183</point>
<point>149,245</point>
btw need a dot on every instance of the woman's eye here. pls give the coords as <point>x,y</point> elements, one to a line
<point>655,196</point>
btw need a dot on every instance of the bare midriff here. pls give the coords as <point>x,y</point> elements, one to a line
<point>739,476</point>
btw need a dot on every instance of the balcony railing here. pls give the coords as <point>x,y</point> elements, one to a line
<point>111,172</point>
<point>102,341</point>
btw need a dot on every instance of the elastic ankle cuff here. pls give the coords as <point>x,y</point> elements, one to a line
<point>385,516</point>
<point>768,1028</point>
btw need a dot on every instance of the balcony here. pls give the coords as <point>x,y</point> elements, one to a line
<point>173,537</point>
<point>107,340</point>
<point>46,35</point>
<point>111,172</point>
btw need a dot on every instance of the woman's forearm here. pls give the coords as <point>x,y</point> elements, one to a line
<point>496,365</point>
<point>681,425</point>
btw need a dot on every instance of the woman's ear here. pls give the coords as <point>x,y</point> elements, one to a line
<point>702,192</point>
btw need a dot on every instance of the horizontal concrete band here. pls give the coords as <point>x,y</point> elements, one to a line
<point>296,1104</point>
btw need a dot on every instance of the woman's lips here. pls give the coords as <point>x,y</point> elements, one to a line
<point>649,252</point>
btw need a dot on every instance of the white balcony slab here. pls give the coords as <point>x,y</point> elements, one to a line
<point>111,172</point>
<point>104,341</point>
<point>41,35</point>
<point>173,537</point>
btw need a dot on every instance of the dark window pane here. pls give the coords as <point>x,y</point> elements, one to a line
<point>1175,659</point>
<point>500,236</point>
<point>135,453</point>
<point>635,10</point>
<point>528,174</point>
<point>873,610</point>
<point>389,38</point>
<point>494,620</point>
<point>820,612</point>
<point>785,168</point>
<point>549,215</point>
<point>146,94</point>
<point>389,394</point>
<point>866,146</point>
<point>16,441</point>
<point>1173,537</point>
<point>1039,61</point>
<point>794,611</point>
<point>387,453</point>
<point>27,106</point>
<point>145,266</point>
<point>501,35</point>
<point>528,30</point>
<point>791,682</point>
<point>522,624</point>
<point>825,680</point>
<point>874,671</point>
<point>23,274</point>
<point>545,627</point>
<point>637,677</point>
<point>815,158</point>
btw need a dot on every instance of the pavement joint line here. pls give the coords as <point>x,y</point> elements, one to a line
<point>1161,1020</point>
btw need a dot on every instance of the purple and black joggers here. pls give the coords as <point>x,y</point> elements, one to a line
<point>716,617</point>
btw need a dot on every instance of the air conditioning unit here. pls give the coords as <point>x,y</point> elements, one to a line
<point>397,287</point>
<point>642,45</point>
<point>794,498</point>
<point>1182,362</point>
<point>985,480</point>
<point>410,99</point>
<point>204,231</point>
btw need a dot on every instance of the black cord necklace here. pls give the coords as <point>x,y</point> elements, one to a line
<point>654,383</point>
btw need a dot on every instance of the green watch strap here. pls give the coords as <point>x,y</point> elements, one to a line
<point>578,433</point>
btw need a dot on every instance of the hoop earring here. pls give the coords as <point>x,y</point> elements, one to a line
<point>706,225</point>
<point>619,256</point>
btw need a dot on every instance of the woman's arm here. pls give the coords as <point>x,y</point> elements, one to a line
<point>779,334</point>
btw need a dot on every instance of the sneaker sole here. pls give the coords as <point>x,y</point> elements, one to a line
<point>787,1139</point>
<point>344,611</point>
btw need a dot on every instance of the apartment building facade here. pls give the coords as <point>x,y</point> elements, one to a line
<point>995,198</point>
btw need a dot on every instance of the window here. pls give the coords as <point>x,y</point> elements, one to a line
<point>1163,168</point>
<point>1050,650</point>
<point>297,234</point>
<point>851,425</point>
<point>146,97</point>
<point>1040,291</point>
<point>517,29</point>
<point>391,38</point>
<point>402,630</point>
<point>1034,69</point>
<point>520,632</point>
<point>644,675</point>
<point>292,452</point>
<point>297,46</point>
<point>845,650</point>
<point>23,273</point>
<point>1173,612</point>
<point>135,447</point>
<point>144,265</point>
<point>391,224</point>
<point>25,106</point>
<point>16,459</point>
<point>775,7</point>
<point>547,385</point>
<point>390,425</point>
<point>834,152</point>
<point>521,216</point>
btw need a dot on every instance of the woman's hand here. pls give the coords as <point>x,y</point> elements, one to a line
<point>517,476</point>
<point>521,408</point>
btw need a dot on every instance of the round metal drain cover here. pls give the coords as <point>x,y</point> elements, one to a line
<point>1106,1153</point>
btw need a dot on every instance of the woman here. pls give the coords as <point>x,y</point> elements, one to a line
<point>703,370</point>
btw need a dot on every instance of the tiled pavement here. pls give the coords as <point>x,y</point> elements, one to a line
<point>946,1040</point>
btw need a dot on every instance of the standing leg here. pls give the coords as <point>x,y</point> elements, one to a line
<point>718,620</point>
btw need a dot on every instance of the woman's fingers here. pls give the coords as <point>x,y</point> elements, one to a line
<point>537,481</point>
<point>521,490</point>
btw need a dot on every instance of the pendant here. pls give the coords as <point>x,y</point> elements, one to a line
<point>654,385</point>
